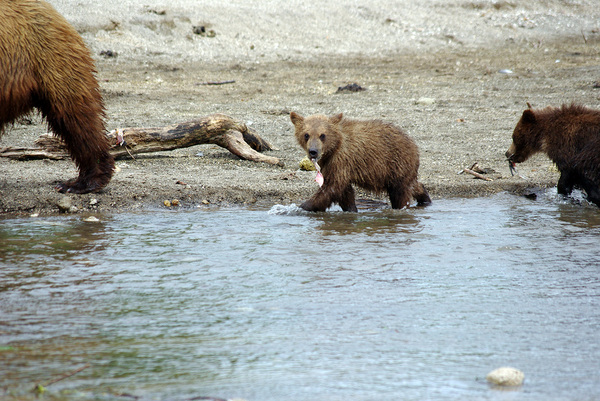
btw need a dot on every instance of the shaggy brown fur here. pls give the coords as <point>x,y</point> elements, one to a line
<point>44,64</point>
<point>570,136</point>
<point>371,154</point>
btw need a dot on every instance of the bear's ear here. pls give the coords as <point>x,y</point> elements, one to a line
<point>296,118</point>
<point>528,116</point>
<point>337,118</point>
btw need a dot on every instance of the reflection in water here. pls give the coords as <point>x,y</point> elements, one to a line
<point>36,250</point>
<point>388,222</point>
<point>413,304</point>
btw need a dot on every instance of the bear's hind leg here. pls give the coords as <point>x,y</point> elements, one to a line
<point>421,195</point>
<point>92,178</point>
<point>594,196</point>
<point>83,134</point>
<point>592,190</point>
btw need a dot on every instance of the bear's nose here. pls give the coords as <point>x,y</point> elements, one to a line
<point>313,153</point>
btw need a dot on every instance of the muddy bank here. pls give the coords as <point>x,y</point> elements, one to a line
<point>459,103</point>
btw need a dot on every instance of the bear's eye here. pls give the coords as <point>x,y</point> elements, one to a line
<point>306,136</point>
<point>322,137</point>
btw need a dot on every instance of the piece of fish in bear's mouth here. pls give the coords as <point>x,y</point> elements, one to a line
<point>319,178</point>
<point>512,166</point>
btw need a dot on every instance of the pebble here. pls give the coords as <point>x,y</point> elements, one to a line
<point>64,204</point>
<point>506,376</point>
<point>505,71</point>
<point>91,219</point>
<point>351,88</point>
<point>108,53</point>
<point>425,101</point>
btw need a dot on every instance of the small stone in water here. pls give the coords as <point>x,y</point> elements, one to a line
<point>167,203</point>
<point>506,376</point>
<point>91,219</point>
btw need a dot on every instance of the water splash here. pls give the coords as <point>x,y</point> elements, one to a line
<point>286,210</point>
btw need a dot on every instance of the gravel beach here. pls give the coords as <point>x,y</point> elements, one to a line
<point>454,75</point>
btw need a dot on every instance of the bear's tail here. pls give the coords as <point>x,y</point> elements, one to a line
<point>421,195</point>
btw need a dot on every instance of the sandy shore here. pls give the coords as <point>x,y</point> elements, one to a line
<point>454,75</point>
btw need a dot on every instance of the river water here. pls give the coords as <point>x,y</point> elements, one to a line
<point>277,304</point>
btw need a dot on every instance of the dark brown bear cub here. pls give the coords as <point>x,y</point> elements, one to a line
<point>570,136</point>
<point>44,64</point>
<point>371,154</point>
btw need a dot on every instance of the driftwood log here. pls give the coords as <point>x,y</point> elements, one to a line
<point>475,171</point>
<point>218,129</point>
<point>477,175</point>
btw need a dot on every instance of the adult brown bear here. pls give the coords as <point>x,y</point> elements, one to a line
<point>570,136</point>
<point>44,64</point>
<point>374,155</point>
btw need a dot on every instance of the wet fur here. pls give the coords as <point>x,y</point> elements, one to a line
<point>374,155</point>
<point>570,136</point>
<point>44,64</point>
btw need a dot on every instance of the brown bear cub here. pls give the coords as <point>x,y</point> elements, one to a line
<point>570,136</point>
<point>371,154</point>
<point>44,64</point>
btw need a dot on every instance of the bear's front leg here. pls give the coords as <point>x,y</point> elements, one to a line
<point>347,201</point>
<point>319,202</point>
<point>566,182</point>
<point>399,195</point>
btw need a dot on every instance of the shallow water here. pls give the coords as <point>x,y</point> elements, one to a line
<point>278,304</point>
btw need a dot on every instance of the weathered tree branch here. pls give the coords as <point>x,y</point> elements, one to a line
<point>18,153</point>
<point>477,175</point>
<point>217,129</point>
